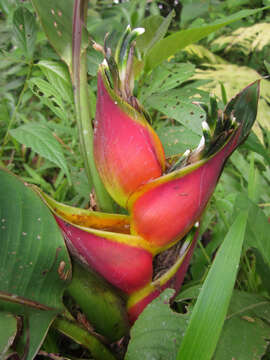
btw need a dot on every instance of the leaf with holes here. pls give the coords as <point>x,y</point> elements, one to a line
<point>177,105</point>
<point>58,76</point>
<point>177,139</point>
<point>166,77</point>
<point>25,31</point>
<point>158,331</point>
<point>40,139</point>
<point>56,18</point>
<point>50,96</point>
<point>246,329</point>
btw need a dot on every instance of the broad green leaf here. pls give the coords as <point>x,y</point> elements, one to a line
<point>178,40</point>
<point>40,139</point>
<point>8,330</point>
<point>177,139</point>
<point>34,262</point>
<point>25,31</point>
<point>177,105</point>
<point>166,77</point>
<point>246,329</point>
<point>58,76</point>
<point>158,331</point>
<point>56,19</point>
<point>209,313</point>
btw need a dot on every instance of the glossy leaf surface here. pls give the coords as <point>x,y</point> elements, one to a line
<point>34,267</point>
<point>29,257</point>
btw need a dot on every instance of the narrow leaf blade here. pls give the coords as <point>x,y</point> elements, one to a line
<point>177,41</point>
<point>210,310</point>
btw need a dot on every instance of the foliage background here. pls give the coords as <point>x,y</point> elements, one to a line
<point>39,142</point>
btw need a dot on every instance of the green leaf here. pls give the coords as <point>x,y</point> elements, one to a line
<point>267,65</point>
<point>246,329</point>
<point>209,313</point>
<point>8,330</point>
<point>190,293</point>
<point>166,77</point>
<point>177,139</point>
<point>35,328</point>
<point>254,144</point>
<point>40,139</point>
<point>155,29</point>
<point>258,227</point>
<point>193,10</point>
<point>50,96</point>
<point>58,76</point>
<point>56,19</point>
<point>34,263</point>
<point>157,332</point>
<point>32,249</point>
<point>178,40</point>
<point>177,105</point>
<point>25,31</point>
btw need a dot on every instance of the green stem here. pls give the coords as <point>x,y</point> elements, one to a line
<point>84,338</point>
<point>13,117</point>
<point>204,252</point>
<point>82,106</point>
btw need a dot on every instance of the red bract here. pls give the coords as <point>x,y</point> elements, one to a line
<point>123,264</point>
<point>127,151</point>
<point>176,200</point>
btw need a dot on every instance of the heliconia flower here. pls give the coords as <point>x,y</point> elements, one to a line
<point>164,204</point>
<point>163,210</point>
<point>128,152</point>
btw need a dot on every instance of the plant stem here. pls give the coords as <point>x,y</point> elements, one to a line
<point>75,332</point>
<point>82,106</point>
